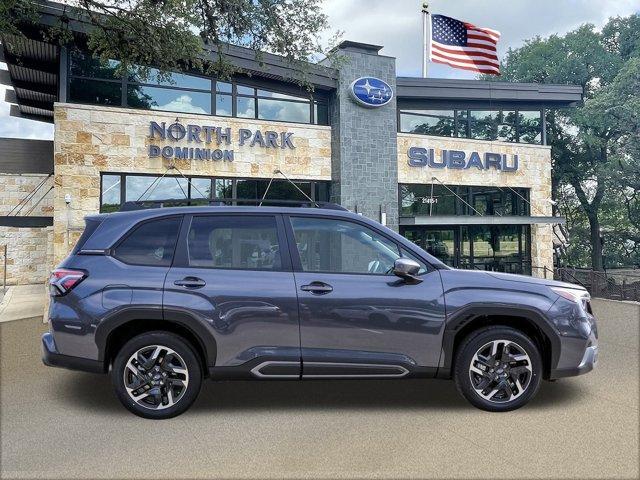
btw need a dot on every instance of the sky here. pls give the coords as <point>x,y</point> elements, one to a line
<point>397,25</point>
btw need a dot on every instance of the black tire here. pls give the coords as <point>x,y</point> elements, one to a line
<point>183,354</point>
<point>497,376</point>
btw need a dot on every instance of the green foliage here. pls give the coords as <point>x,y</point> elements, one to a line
<point>172,35</point>
<point>596,146</point>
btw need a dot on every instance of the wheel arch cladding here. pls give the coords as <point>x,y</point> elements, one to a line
<point>112,333</point>
<point>529,321</point>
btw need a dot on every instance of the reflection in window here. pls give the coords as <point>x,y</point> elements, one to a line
<point>336,246</point>
<point>95,92</point>
<point>224,105</point>
<point>83,64</point>
<point>530,128</point>
<point>154,188</point>
<point>283,110</point>
<point>110,199</point>
<point>156,98</point>
<point>223,188</point>
<point>242,242</point>
<point>428,122</point>
<point>152,243</point>
<point>245,107</point>
<point>201,188</point>
<point>321,113</point>
<point>180,80</point>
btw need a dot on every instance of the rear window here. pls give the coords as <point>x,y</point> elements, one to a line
<point>151,243</point>
<point>90,225</point>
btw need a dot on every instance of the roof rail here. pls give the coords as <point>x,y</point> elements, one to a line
<point>226,202</point>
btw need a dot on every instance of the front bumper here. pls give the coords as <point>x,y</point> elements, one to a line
<point>589,361</point>
<point>52,358</point>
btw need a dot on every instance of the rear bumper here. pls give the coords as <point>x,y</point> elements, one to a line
<point>52,358</point>
<point>589,361</point>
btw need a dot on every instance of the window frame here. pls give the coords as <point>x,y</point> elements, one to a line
<point>192,201</point>
<point>125,82</point>
<point>181,256</point>
<point>112,250</point>
<point>295,254</point>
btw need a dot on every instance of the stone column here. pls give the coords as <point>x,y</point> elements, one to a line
<point>364,153</point>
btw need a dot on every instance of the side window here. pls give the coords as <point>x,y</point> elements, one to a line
<point>151,243</point>
<point>242,242</point>
<point>408,254</point>
<point>339,246</point>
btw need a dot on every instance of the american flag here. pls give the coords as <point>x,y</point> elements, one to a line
<point>463,45</point>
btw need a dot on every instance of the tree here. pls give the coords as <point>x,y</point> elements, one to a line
<point>594,146</point>
<point>172,35</point>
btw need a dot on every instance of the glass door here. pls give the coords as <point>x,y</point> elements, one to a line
<point>440,242</point>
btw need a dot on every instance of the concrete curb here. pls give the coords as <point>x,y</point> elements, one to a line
<point>22,302</point>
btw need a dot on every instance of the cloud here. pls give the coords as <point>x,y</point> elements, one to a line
<point>397,25</point>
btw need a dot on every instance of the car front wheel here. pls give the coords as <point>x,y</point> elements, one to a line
<point>156,375</point>
<point>498,369</point>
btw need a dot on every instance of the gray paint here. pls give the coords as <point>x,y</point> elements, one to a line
<point>364,140</point>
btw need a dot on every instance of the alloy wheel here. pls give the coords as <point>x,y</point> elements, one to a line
<point>156,377</point>
<point>500,371</point>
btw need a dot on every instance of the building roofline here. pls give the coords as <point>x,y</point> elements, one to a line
<point>413,88</point>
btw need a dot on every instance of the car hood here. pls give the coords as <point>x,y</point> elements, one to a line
<point>480,277</point>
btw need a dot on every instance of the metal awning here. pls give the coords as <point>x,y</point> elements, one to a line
<point>480,220</point>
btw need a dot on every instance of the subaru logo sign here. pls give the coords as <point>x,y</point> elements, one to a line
<point>371,92</point>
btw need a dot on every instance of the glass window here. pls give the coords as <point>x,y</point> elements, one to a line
<point>283,190</point>
<point>322,191</point>
<point>223,105</point>
<point>267,93</point>
<point>83,64</point>
<point>223,188</point>
<point>506,124</point>
<point>321,113</point>
<point>285,111</point>
<point>142,188</point>
<point>462,120</point>
<point>247,189</point>
<point>245,107</point>
<point>337,246</point>
<point>440,244</point>
<point>157,98</point>
<point>200,188</point>
<point>110,200</point>
<point>152,75</point>
<point>428,122</point>
<point>224,87</point>
<point>484,125</point>
<point>151,243</point>
<point>95,92</point>
<point>240,242</point>
<point>529,127</point>
<point>418,200</point>
<point>242,90</point>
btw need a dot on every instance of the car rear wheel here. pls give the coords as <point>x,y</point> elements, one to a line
<point>498,369</point>
<point>156,375</point>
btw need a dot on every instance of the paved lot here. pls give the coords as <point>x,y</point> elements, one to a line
<point>62,424</point>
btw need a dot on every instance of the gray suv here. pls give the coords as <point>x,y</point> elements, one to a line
<point>162,298</point>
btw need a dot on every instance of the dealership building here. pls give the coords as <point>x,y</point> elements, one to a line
<point>460,167</point>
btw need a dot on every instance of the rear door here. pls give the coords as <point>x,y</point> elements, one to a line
<point>357,319</point>
<point>233,271</point>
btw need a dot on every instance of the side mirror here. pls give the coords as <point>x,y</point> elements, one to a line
<point>407,269</point>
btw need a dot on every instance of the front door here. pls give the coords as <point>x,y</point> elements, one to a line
<point>234,272</point>
<point>357,319</point>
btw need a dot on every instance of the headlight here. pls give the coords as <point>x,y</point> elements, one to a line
<point>577,295</point>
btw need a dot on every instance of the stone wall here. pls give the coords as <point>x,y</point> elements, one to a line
<point>15,188</point>
<point>29,250</point>
<point>534,173</point>
<point>29,254</point>
<point>93,139</point>
<point>364,141</point>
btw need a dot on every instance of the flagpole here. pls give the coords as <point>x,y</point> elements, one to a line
<point>426,37</point>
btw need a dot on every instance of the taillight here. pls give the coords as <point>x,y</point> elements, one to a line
<point>63,280</point>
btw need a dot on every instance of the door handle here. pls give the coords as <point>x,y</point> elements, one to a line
<point>317,288</point>
<point>190,282</point>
